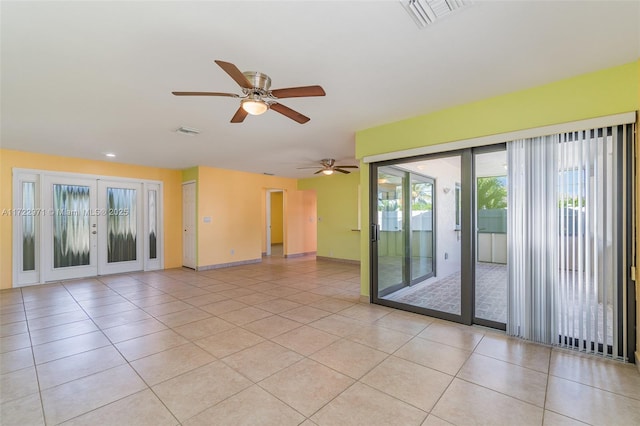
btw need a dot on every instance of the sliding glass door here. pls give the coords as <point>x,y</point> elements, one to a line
<point>417,236</point>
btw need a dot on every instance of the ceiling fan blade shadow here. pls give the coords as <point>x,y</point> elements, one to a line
<point>239,116</point>
<point>234,73</point>
<point>231,95</point>
<point>288,112</point>
<point>298,92</point>
<point>337,169</point>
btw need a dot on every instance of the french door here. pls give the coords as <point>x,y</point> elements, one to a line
<point>73,226</point>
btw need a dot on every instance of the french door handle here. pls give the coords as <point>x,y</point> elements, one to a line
<point>375,233</point>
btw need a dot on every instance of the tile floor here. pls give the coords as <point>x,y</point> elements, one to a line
<point>284,342</point>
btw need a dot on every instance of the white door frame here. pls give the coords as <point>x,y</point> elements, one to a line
<point>42,213</point>
<point>189,228</point>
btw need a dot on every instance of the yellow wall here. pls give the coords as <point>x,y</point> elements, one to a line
<point>277,218</point>
<point>17,159</point>
<point>337,214</point>
<point>605,92</point>
<point>236,203</point>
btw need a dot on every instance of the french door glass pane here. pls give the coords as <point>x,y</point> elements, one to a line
<point>28,226</point>
<point>491,236</point>
<point>391,246</point>
<point>71,212</point>
<point>153,218</point>
<point>121,224</point>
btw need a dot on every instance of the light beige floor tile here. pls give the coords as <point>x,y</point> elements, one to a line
<point>188,292</point>
<point>228,342</point>
<point>515,351</point>
<point>255,298</point>
<point>8,318</point>
<point>77,366</point>
<point>100,311</point>
<point>307,385</point>
<point>45,335</point>
<point>277,306</point>
<point>260,361</point>
<point>332,305</point>
<point>18,384</point>
<point>195,391</point>
<point>305,340</point>
<point>305,314</point>
<point>366,312</point>
<point>339,325</point>
<point>283,292</point>
<point>236,292</point>
<point>101,301</point>
<point>59,308</point>
<point>245,315</point>
<point>145,302</point>
<point>74,398</point>
<point>14,342</point>
<point>304,298</point>
<point>150,344</point>
<point>555,419</point>
<point>8,309</point>
<point>13,328</point>
<point>466,403</point>
<point>121,318</point>
<point>519,382</point>
<point>205,299</point>
<point>15,360</point>
<point>363,405</point>
<point>350,358</point>
<point>272,326</point>
<point>167,308</point>
<point>435,421</point>
<point>53,320</point>
<point>452,335</point>
<point>252,406</point>
<point>24,411</point>
<point>203,328</point>
<point>171,363</point>
<point>140,409</point>
<point>591,405</point>
<point>612,376</point>
<point>404,322</point>
<point>382,339</point>
<point>132,330</point>
<point>69,346</point>
<point>434,355</point>
<point>176,319</point>
<point>223,306</point>
<point>409,382</point>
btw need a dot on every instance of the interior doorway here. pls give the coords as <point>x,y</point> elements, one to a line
<point>275,223</point>
<point>189,232</point>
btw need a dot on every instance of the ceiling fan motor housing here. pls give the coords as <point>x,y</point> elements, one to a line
<point>258,80</point>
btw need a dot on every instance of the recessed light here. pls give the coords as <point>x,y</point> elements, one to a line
<point>110,155</point>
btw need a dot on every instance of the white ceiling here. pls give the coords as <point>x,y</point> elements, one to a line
<point>83,78</point>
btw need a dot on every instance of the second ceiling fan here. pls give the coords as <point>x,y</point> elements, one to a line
<point>257,96</point>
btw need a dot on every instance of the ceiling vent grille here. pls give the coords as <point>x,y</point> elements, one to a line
<point>425,12</point>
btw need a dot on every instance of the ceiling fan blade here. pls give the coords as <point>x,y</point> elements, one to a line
<point>318,172</point>
<point>298,92</point>
<point>239,116</point>
<point>346,172</point>
<point>235,74</point>
<point>348,167</point>
<point>231,95</point>
<point>300,168</point>
<point>288,112</point>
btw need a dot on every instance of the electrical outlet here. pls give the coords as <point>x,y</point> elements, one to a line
<point>233,252</point>
<point>446,256</point>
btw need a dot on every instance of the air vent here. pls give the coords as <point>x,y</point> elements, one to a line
<point>425,12</point>
<point>188,131</point>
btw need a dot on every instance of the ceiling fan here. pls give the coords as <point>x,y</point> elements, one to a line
<point>328,166</point>
<point>257,96</point>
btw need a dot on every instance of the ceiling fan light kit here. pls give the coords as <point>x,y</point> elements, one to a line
<point>257,96</point>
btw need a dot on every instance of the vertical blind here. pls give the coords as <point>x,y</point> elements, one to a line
<point>565,240</point>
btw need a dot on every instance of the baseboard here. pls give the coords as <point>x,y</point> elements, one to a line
<point>365,299</point>
<point>292,256</point>
<point>227,265</point>
<point>337,259</point>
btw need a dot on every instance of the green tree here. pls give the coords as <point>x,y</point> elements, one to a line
<point>492,193</point>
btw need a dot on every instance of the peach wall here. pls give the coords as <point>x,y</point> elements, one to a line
<point>172,195</point>
<point>300,233</point>
<point>236,203</point>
